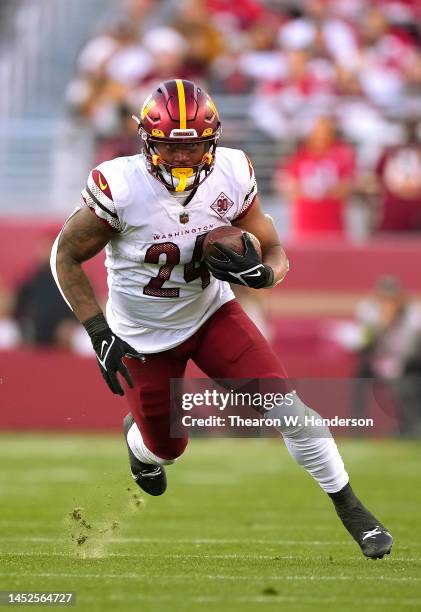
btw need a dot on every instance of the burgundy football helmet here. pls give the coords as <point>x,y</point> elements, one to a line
<point>179,111</point>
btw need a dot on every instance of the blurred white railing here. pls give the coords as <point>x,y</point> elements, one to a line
<point>44,162</point>
<point>26,151</point>
<point>36,62</point>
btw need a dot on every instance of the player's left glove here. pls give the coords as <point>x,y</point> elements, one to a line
<point>245,269</point>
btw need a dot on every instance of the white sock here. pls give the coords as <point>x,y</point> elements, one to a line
<point>312,446</point>
<point>140,450</point>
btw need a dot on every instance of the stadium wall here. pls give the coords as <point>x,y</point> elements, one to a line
<point>42,390</point>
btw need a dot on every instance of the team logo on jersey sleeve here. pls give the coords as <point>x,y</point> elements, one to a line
<point>222,204</point>
<point>101,182</point>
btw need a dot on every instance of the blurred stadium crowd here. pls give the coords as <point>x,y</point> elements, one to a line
<point>325,97</point>
<point>335,84</point>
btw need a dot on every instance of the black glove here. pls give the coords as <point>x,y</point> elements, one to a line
<point>244,269</point>
<point>109,350</point>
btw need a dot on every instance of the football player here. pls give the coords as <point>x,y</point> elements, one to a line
<point>151,212</point>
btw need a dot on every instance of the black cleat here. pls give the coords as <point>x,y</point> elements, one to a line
<point>148,476</point>
<point>372,537</point>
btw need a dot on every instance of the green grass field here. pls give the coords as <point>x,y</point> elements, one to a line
<point>241,527</point>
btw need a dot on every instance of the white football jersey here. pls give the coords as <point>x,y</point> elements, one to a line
<point>159,292</point>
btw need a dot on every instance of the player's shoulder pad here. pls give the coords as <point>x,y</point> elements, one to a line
<point>108,189</point>
<point>235,163</point>
<point>114,179</point>
<point>238,169</point>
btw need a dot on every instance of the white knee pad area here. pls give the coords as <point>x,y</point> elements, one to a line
<point>140,450</point>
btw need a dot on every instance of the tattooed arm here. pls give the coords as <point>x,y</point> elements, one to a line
<point>83,236</point>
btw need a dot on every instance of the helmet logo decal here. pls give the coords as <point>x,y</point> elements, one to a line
<point>222,204</point>
<point>156,132</point>
<point>182,174</point>
<point>211,105</point>
<point>147,106</point>
<point>181,103</point>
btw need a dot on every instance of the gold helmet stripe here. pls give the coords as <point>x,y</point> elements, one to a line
<point>181,103</point>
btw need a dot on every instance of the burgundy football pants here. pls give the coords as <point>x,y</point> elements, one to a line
<point>228,345</point>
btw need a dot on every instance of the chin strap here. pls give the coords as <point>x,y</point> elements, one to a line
<point>182,174</point>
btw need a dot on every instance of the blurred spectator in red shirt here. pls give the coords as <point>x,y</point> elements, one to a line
<point>316,182</point>
<point>399,180</point>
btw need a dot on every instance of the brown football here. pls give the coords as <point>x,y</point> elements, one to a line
<point>229,236</point>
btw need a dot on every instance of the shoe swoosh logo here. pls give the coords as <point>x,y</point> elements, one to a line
<point>103,358</point>
<point>101,184</point>
<point>257,273</point>
<point>155,472</point>
<point>372,533</point>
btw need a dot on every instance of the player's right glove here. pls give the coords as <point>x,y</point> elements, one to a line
<point>247,269</point>
<point>109,349</point>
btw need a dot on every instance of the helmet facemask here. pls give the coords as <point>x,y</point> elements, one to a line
<point>174,177</point>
